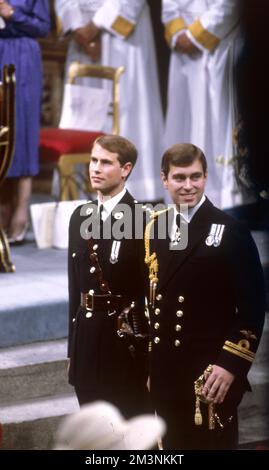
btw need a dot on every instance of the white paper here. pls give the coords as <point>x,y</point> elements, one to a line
<point>63,212</point>
<point>84,108</point>
<point>43,220</point>
<point>51,222</point>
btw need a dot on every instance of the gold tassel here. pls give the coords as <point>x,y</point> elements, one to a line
<point>198,415</point>
<point>198,388</point>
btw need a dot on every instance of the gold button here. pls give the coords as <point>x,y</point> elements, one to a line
<point>73,255</point>
<point>159,297</point>
<point>178,327</point>
<point>95,247</point>
<point>181,299</point>
<point>157,311</point>
<point>177,343</point>
<point>89,314</point>
<point>179,313</point>
<point>73,319</point>
<point>156,326</point>
<point>92,269</point>
<point>108,302</point>
<point>156,339</point>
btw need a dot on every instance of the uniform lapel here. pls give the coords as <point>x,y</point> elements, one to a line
<point>126,199</point>
<point>171,261</point>
<point>107,245</point>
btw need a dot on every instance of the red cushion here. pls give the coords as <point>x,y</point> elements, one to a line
<point>54,142</point>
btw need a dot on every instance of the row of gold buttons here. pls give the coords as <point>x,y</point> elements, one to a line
<point>179,313</point>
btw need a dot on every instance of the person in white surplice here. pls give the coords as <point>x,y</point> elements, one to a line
<point>202,34</point>
<point>114,33</point>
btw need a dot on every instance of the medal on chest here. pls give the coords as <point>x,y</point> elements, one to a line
<point>215,235</point>
<point>115,249</point>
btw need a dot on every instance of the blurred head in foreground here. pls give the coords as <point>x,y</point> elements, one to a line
<point>100,426</point>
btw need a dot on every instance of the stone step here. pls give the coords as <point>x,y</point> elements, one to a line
<point>32,371</point>
<point>31,425</point>
<point>25,325</point>
<point>34,299</point>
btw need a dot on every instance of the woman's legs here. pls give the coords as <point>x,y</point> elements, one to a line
<point>15,205</point>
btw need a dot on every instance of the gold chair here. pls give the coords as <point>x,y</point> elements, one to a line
<point>63,149</point>
<point>7,141</point>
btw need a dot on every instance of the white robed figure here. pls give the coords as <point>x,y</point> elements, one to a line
<point>200,110</point>
<point>126,39</point>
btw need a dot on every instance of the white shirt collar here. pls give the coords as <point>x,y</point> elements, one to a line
<point>194,209</point>
<point>186,216</point>
<point>109,204</point>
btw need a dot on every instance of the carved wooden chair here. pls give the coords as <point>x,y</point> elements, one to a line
<point>7,141</point>
<point>63,149</point>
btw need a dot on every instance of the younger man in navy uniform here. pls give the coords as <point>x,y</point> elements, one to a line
<point>207,309</point>
<point>106,281</point>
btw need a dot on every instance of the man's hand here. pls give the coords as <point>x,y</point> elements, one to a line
<point>185,46</point>
<point>217,384</point>
<point>86,34</point>
<point>94,49</point>
<point>6,10</point>
<point>89,39</point>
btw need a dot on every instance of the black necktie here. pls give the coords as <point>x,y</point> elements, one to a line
<point>178,220</point>
<point>177,235</point>
<point>100,220</point>
<point>100,210</point>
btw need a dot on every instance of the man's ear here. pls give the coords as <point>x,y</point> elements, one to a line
<point>164,179</point>
<point>126,169</point>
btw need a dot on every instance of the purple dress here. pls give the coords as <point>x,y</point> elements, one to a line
<point>18,46</point>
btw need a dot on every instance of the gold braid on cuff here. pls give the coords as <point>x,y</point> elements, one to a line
<point>240,349</point>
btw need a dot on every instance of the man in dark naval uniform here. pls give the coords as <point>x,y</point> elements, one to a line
<point>207,307</point>
<point>106,286</point>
